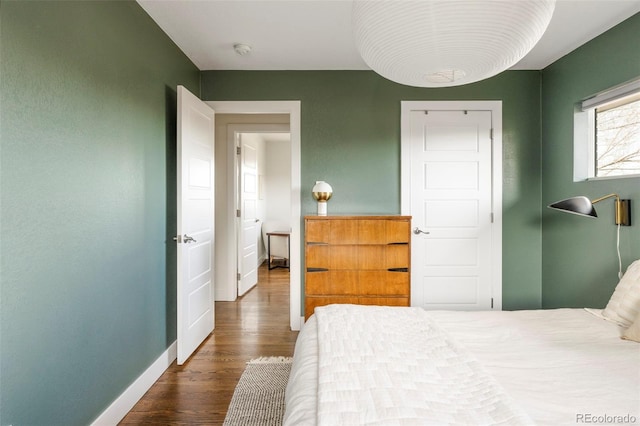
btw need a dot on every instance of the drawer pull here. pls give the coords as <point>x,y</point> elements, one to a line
<point>398,269</point>
<point>317,269</point>
<point>398,244</point>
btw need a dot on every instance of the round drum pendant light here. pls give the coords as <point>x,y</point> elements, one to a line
<point>441,43</point>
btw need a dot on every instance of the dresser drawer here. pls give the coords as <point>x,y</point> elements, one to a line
<point>384,301</point>
<point>331,283</point>
<point>383,283</point>
<point>311,302</point>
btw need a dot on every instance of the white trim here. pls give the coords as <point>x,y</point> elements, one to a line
<point>584,131</point>
<point>125,402</point>
<point>293,109</point>
<point>617,92</point>
<point>584,149</point>
<point>405,175</point>
<point>496,116</point>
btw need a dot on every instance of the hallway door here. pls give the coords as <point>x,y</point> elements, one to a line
<point>195,193</point>
<point>248,208</point>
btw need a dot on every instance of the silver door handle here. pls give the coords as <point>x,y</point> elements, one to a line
<point>188,239</point>
<point>419,231</point>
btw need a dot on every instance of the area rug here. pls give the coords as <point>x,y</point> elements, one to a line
<point>259,396</point>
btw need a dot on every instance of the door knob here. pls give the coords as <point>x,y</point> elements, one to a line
<point>419,231</point>
<point>188,239</point>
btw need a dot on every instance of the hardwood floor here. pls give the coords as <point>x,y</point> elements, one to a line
<point>199,391</point>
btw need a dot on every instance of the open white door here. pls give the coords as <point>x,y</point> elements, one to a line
<point>249,224</point>
<point>195,172</point>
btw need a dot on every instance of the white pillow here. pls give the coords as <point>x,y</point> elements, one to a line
<point>624,305</point>
<point>633,332</point>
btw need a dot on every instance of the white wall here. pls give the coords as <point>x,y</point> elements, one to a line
<point>278,181</point>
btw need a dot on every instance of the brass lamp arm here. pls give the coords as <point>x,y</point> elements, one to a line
<point>597,200</point>
<point>622,209</point>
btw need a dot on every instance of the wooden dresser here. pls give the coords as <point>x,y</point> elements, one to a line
<point>363,260</point>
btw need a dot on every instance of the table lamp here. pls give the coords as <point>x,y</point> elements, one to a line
<point>322,192</point>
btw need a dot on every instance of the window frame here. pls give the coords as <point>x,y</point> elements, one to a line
<point>584,125</point>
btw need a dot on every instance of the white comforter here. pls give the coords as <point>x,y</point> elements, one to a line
<point>561,366</point>
<point>395,366</point>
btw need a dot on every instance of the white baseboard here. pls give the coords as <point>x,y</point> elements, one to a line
<point>125,402</point>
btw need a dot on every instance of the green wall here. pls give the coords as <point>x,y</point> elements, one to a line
<point>351,138</point>
<point>579,264</point>
<point>87,178</point>
<point>87,203</point>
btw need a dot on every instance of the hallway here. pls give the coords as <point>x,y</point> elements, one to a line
<point>199,391</point>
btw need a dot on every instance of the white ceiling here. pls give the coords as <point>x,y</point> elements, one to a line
<point>316,34</point>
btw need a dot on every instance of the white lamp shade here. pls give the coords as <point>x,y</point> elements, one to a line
<point>322,191</point>
<point>441,43</point>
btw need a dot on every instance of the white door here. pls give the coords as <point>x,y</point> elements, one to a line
<point>195,171</point>
<point>451,201</point>
<point>249,225</point>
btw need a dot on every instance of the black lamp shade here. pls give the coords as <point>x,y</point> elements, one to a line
<point>577,205</point>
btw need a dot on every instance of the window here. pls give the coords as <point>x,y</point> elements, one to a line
<point>617,137</point>
<point>607,134</point>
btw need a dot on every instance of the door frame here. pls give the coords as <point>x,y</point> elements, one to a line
<point>406,107</point>
<point>233,133</point>
<point>292,108</point>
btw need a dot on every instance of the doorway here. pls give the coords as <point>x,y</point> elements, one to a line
<point>262,184</point>
<point>252,113</point>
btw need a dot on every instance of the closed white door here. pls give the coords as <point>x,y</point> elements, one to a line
<point>451,201</point>
<point>195,193</point>
<point>249,224</point>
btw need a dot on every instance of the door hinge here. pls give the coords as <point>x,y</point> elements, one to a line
<point>238,213</point>
<point>491,134</point>
<point>492,217</point>
<point>238,150</point>
<point>239,277</point>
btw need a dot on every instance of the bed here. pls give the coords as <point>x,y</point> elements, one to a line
<point>392,365</point>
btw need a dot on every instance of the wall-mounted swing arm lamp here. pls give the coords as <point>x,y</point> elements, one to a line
<point>582,206</point>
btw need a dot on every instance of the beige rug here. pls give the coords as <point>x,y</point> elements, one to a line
<point>259,396</point>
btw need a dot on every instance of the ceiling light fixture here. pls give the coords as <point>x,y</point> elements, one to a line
<point>241,49</point>
<point>441,43</point>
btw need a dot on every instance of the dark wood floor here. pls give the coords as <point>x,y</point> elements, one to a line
<point>199,391</point>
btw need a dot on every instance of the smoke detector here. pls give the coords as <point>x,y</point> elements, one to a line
<point>241,49</point>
